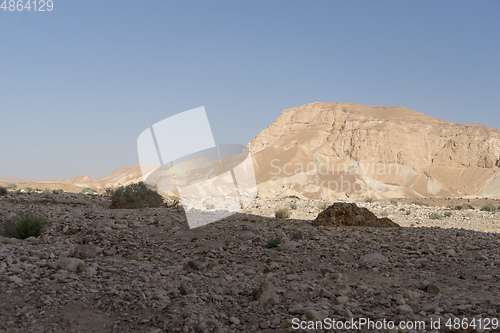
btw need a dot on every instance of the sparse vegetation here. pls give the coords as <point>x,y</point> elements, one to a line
<point>173,202</point>
<point>447,214</point>
<point>3,190</point>
<point>462,207</point>
<point>57,191</point>
<point>11,186</point>
<point>436,216</point>
<point>282,213</point>
<point>323,205</point>
<point>210,206</point>
<point>419,203</point>
<point>109,191</point>
<point>293,205</point>
<point>47,198</point>
<point>369,199</point>
<point>87,190</point>
<point>273,242</point>
<point>136,195</point>
<point>489,208</point>
<point>408,212</point>
<point>25,226</point>
<point>29,189</point>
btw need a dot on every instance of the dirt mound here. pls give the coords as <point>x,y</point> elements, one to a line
<point>342,214</point>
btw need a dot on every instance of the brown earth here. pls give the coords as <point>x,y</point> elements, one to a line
<point>344,214</point>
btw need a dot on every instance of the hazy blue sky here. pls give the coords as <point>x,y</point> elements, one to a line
<point>79,84</point>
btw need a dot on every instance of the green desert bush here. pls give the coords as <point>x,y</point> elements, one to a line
<point>136,195</point>
<point>282,213</point>
<point>369,199</point>
<point>109,191</point>
<point>436,216</point>
<point>273,242</point>
<point>25,226</point>
<point>489,208</point>
<point>293,205</point>
<point>11,186</point>
<point>3,190</point>
<point>87,190</point>
<point>408,212</point>
<point>29,189</point>
<point>447,214</point>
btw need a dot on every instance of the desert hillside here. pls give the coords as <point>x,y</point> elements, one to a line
<point>330,150</point>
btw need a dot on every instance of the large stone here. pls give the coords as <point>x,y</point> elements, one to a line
<point>404,309</point>
<point>267,294</point>
<point>433,289</point>
<point>316,315</point>
<point>70,264</point>
<point>374,258</point>
<point>14,279</point>
<point>85,252</point>
<point>343,214</point>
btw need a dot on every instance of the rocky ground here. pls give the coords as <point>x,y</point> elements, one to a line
<point>429,212</point>
<point>100,270</point>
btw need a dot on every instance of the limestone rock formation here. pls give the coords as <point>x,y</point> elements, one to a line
<point>338,150</point>
<point>342,214</point>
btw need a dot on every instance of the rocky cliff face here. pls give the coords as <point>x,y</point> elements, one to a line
<point>336,150</point>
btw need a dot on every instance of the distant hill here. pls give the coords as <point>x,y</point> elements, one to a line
<point>339,150</point>
<point>12,179</point>
<point>120,176</point>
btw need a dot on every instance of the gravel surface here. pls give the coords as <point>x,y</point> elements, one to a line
<point>100,270</point>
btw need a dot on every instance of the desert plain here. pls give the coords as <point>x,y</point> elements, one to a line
<point>96,269</point>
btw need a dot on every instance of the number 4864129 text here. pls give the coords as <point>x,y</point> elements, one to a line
<point>27,5</point>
